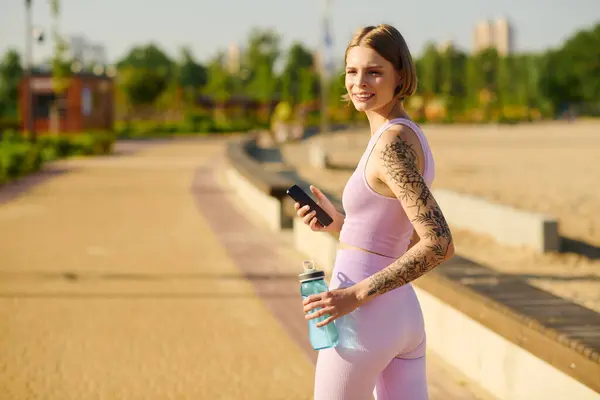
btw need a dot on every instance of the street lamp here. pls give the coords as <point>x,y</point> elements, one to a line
<point>325,65</point>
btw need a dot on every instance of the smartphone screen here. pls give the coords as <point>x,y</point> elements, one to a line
<point>300,196</point>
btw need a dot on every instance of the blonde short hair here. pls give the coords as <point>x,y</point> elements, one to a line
<point>389,43</point>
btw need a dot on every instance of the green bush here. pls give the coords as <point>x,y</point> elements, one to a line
<point>7,123</point>
<point>145,129</point>
<point>198,122</point>
<point>12,136</point>
<point>59,146</point>
<point>86,144</point>
<point>194,123</point>
<point>19,157</point>
<point>91,144</point>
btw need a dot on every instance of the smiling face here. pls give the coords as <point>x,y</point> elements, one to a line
<point>370,79</point>
<point>379,70</point>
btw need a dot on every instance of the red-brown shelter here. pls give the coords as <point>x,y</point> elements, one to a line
<point>88,102</point>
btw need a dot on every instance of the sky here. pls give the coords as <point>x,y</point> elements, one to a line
<point>209,26</point>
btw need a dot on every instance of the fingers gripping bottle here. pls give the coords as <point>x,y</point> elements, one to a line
<point>312,282</point>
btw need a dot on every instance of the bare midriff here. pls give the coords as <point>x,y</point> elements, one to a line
<point>347,246</point>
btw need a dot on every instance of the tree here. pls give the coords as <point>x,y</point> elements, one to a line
<point>220,84</point>
<point>571,74</point>
<point>148,56</point>
<point>452,78</point>
<point>191,75</point>
<point>263,84</point>
<point>261,55</point>
<point>298,58</point>
<point>430,67</point>
<point>309,85</point>
<point>142,86</point>
<point>488,62</point>
<point>337,88</point>
<point>475,82</point>
<point>523,80</point>
<point>145,73</point>
<point>505,79</point>
<point>11,72</point>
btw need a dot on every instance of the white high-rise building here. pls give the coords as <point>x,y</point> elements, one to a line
<point>233,59</point>
<point>483,36</point>
<point>504,36</point>
<point>496,34</point>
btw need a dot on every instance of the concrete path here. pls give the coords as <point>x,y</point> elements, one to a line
<point>139,276</point>
<point>114,287</point>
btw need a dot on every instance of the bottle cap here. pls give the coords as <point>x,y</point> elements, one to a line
<point>310,272</point>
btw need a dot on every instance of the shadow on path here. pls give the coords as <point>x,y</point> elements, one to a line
<point>142,295</point>
<point>12,190</point>
<point>145,277</point>
<point>568,245</point>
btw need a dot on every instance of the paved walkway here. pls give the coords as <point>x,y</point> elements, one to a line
<point>139,276</point>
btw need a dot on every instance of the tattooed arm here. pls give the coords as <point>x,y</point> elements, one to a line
<point>397,168</point>
<point>414,239</point>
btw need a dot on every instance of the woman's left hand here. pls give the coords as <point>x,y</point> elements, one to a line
<point>336,303</point>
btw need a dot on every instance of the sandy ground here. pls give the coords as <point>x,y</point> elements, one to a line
<point>550,168</point>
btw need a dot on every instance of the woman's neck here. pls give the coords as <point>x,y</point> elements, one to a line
<point>379,117</point>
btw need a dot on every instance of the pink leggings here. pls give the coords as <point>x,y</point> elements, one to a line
<point>382,344</point>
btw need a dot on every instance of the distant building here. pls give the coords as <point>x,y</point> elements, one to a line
<point>443,46</point>
<point>482,36</point>
<point>234,59</point>
<point>86,52</point>
<point>88,103</point>
<point>504,36</point>
<point>497,34</point>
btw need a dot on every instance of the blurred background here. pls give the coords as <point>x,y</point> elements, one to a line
<point>190,67</point>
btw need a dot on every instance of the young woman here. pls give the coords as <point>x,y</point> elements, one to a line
<point>393,233</point>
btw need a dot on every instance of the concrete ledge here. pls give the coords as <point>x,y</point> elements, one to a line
<point>505,224</point>
<point>512,356</point>
<point>505,369</point>
<point>263,191</point>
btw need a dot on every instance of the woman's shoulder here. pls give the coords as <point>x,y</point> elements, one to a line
<point>399,135</point>
<point>400,146</point>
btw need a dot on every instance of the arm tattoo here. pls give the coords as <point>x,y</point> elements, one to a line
<point>407,268</point>
<point>400,164</point>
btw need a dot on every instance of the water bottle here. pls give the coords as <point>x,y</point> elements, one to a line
<point>312,282</point>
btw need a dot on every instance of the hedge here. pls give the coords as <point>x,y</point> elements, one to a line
<point>19,157</point>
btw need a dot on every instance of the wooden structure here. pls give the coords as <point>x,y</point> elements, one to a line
<point>88,103</point>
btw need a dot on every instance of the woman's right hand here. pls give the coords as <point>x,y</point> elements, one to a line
<point>310,219</point>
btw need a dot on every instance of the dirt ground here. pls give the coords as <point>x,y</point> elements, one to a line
<point>551,168</point>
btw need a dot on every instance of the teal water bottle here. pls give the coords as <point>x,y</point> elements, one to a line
<point>312,282</point>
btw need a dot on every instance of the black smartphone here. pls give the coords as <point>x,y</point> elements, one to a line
<point>301,197</point>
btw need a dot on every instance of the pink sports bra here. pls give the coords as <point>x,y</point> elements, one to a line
<point>375,222</point>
